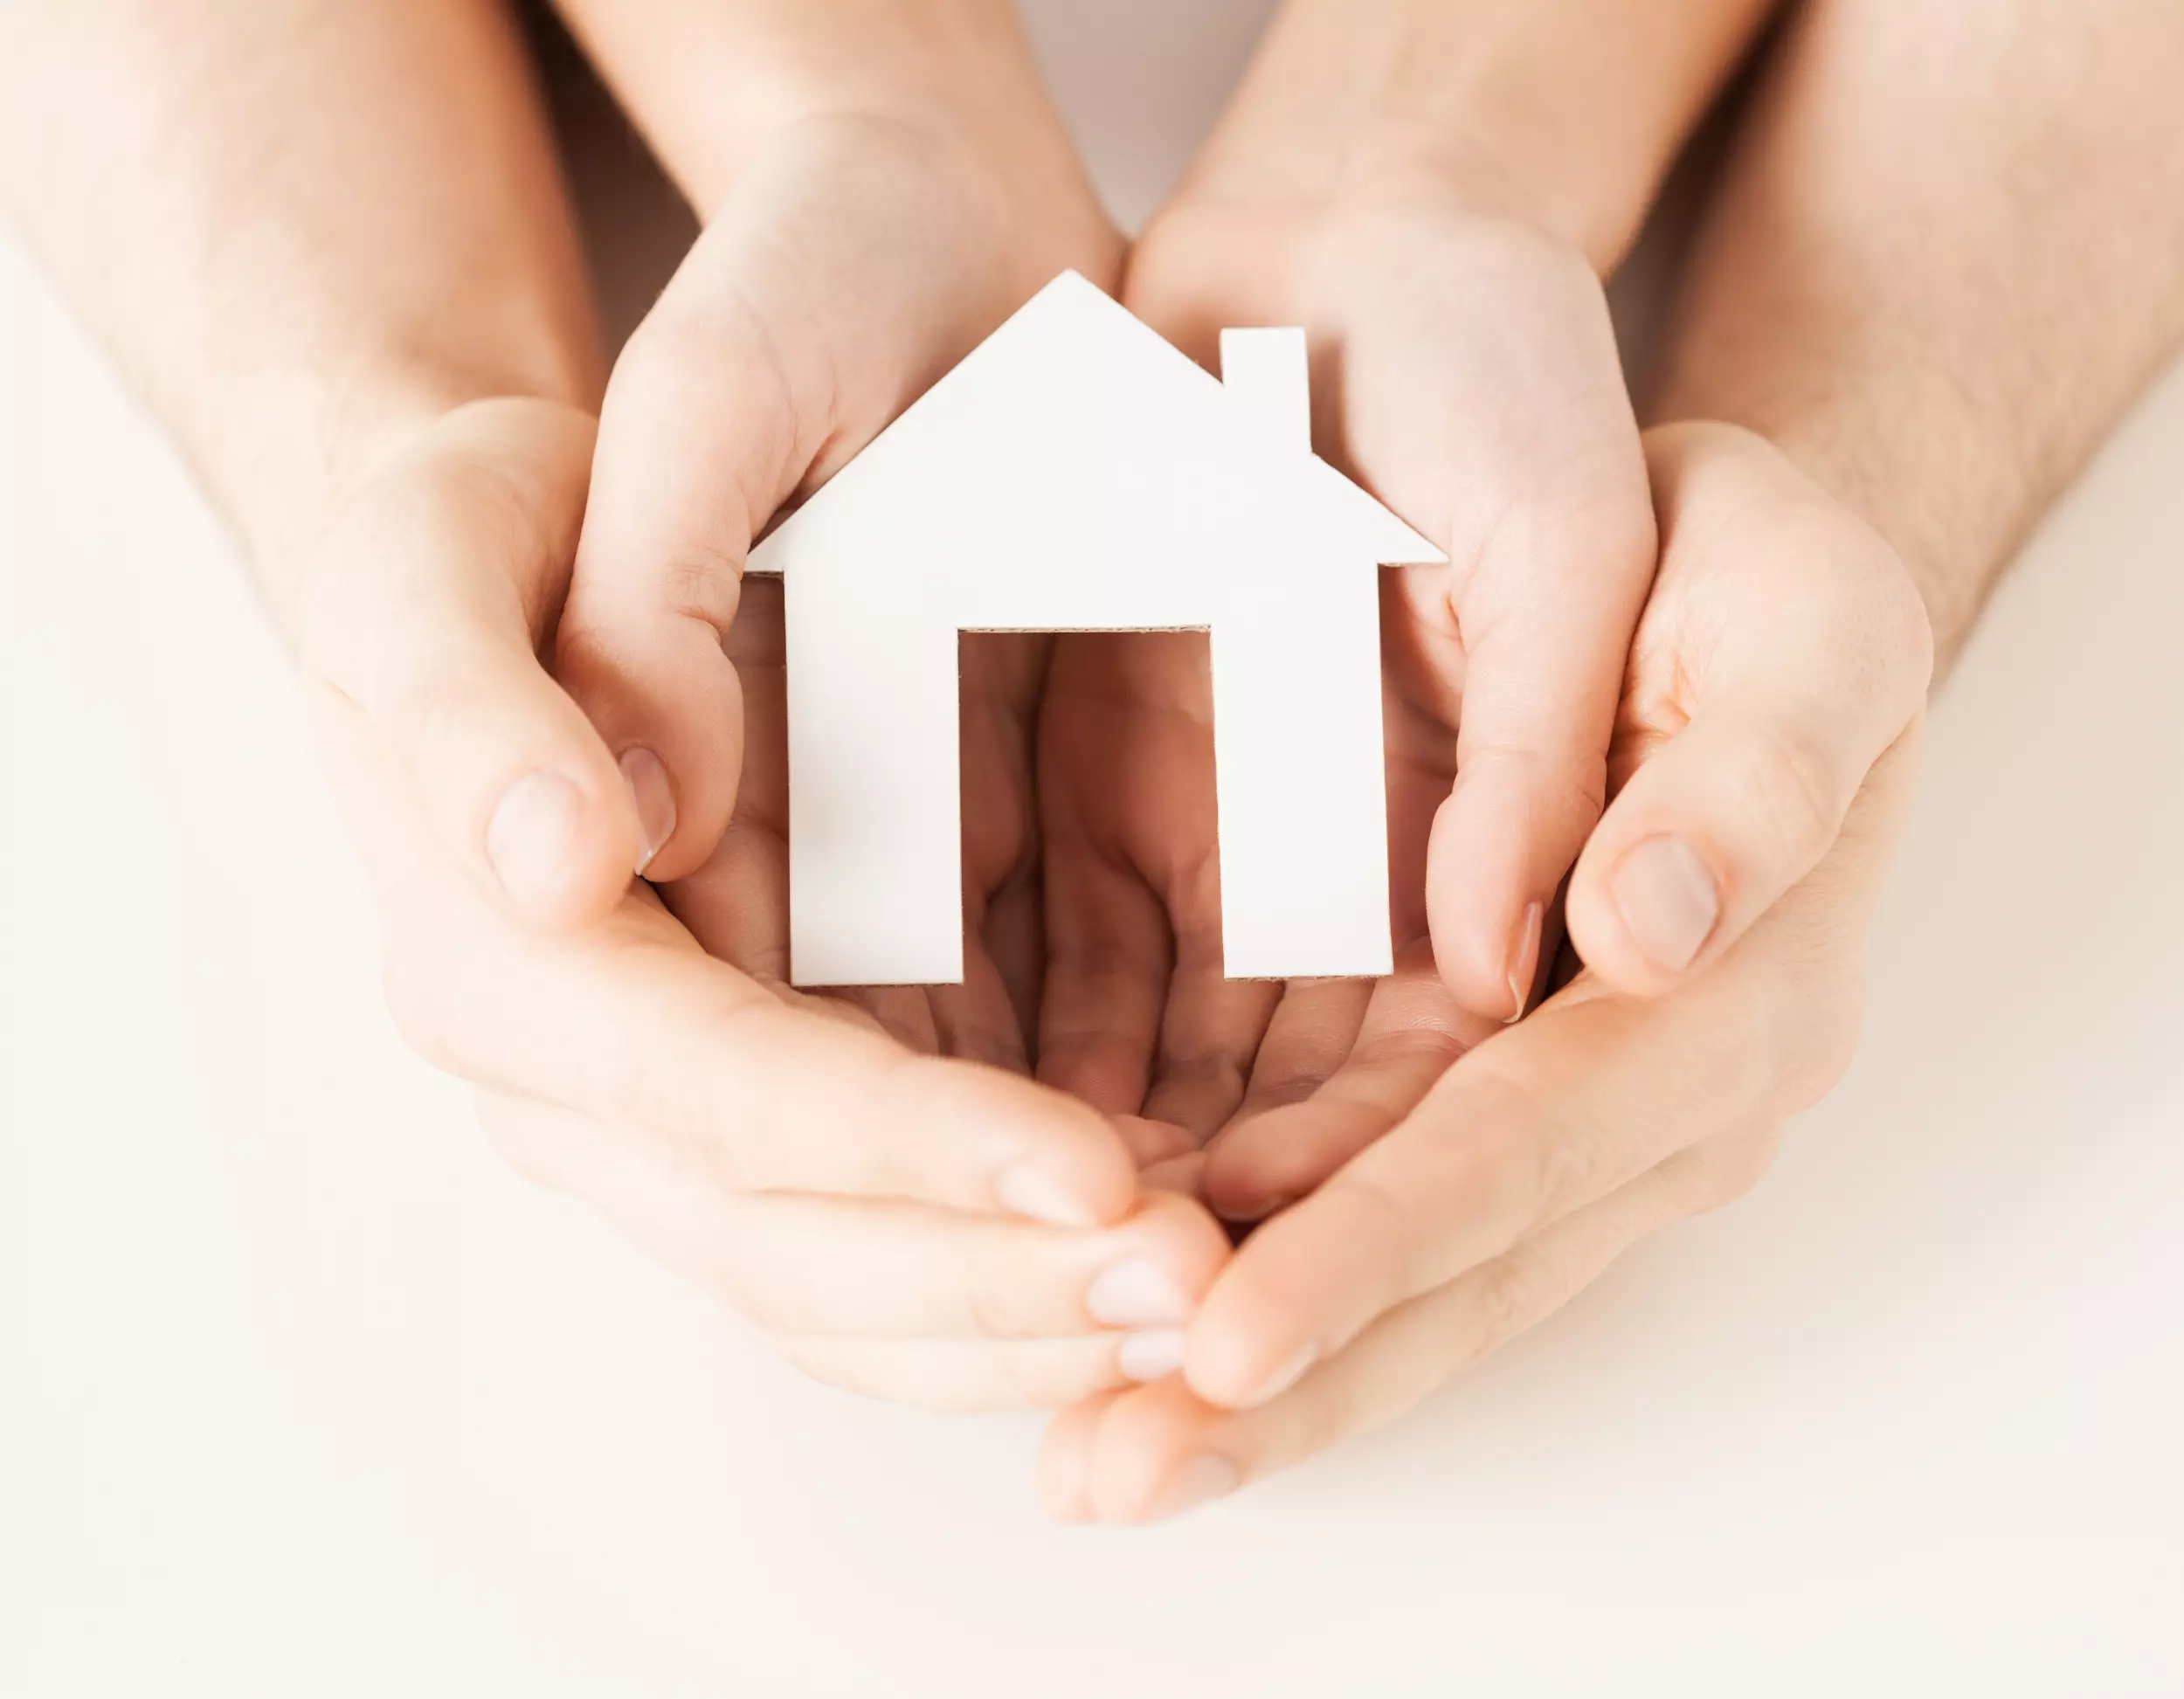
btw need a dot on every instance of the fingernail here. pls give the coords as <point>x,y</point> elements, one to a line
<point>1208,1477</point>
<point>1283,1379</point>
<point>1135,1293</point>
<point>655,799</point>
<point>1667,900</point>
<point>1244,1214</point>
<point>1153,1355</point>
<point>528,838</point>
<point>1524,959</point>
<point>1033,1192</point>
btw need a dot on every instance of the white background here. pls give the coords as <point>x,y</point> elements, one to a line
<point>300,1394</point>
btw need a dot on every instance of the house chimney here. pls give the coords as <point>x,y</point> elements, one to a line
<point>1265,371</point>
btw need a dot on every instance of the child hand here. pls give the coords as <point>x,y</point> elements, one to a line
<point>878,230</point>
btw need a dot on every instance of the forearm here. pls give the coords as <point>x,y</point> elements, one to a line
<point>709,81</point>
<point>1947,252</point>
<point>301,226</point>
<point>1567,111</point>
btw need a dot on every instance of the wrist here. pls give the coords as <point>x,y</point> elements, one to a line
<point>1563,113</point>
<point>714,86</point>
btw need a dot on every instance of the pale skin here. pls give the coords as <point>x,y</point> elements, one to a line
<point>924,1228</point>
<point>1928,383</point>
<point>411,478</point>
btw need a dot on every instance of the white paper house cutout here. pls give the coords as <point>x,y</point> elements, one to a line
<point>1077,473</point>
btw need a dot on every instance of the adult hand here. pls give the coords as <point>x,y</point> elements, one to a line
<point>1767,733</point>
<point>915,1228</point>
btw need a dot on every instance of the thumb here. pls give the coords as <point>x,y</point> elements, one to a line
<point>697,427</point>
<point>1803,653</point>
<point>839,280</point>
<point>424,608</point>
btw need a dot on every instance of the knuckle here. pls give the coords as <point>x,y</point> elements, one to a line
<point>1329,1409</point>
<point>1791,798</point>
<point>1385,1222</point>
<point>1544,1163</point>
<point>1566,1171</point>
<point>1509,1300</point>
<point>620,1079</point>
<point>434,712</point>
<point>991,1299</point>
<point>708,345</point>
<point>1562,782</point>
<point>1040,1375</point>
<point>704,584</point>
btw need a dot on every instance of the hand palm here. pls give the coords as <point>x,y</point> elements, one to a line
<point>1138,1017</point>
<point>1458,371</point>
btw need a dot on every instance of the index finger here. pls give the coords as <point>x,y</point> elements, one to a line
<point>1545,1118</point>
<point>630,1021</point>
<point>635,1026</point>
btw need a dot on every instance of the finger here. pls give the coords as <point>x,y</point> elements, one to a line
<point>423,610</point>
<point>815,306</point>
<point>1211,1028</point>
<point>1004,676</point>
<point>1309,1036</point>
<point>1065,1452</point>
<point>1298,1130</point>
<point>976,1376</point>
<point>1107,956</point>
<point>1139,1456</point>
<point>1547,1116</point>
<point>1184,1174</point>
<point>808,1264</point>
<point>631,1024</point>
<point>1828,668</point>
<point>1539,1122</point>
<point>1152,1142</point>
<point>1545,612</point>
<point>1116,710</point>
<point>736,901</point>
<point>1544,588</point>
<point>1210,1025</point>
<point>705,414</point>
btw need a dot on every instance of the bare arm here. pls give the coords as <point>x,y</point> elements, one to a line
<point>304,227</point>
<point>327,237</point>
<point>713,82</point>
<point>1948,253</point>
<point>1433,188</point>
<point>1568,111</point>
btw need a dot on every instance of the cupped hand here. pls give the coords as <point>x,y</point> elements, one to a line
<point>909,1225</point>
<point>1763,757</point>
<point>1465,371</point>
<point>856,258</point>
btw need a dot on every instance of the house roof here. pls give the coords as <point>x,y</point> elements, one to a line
<point>1093,381</point>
